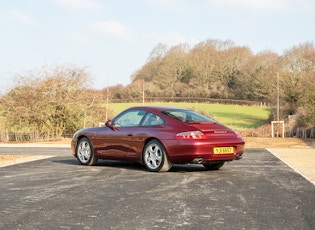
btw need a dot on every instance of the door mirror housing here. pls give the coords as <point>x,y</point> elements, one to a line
<point>110,125</point>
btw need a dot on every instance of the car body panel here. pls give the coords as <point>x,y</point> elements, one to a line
<point>127,142</point>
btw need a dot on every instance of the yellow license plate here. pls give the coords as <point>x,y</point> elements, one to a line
<point>223,150</point>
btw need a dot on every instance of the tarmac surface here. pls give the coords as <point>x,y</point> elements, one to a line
<point>257,192</point>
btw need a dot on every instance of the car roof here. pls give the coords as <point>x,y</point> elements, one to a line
<point>155,107</point>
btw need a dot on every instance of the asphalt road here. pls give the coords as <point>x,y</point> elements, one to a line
<point>257,192</point>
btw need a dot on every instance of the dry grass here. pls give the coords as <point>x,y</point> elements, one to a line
<point>257,142</point>
<point>6,160</point>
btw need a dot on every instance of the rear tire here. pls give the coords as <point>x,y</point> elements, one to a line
<point>155,158</point>
<point>85,152</point>
<point>213,166</point>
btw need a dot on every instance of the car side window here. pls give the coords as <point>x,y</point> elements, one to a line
<point>129,118</point>
<point>187,116</point>
<point>152,119</point>
<point>177,114</point>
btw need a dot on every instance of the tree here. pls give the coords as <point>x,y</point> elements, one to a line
<point>51,101</point>
<point>258,77</point>
<point>202,62</point>
<point>227,67</point>
<point>298,69</point>
<point>301,75</point>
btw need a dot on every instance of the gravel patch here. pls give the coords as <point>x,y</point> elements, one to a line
<point>6,160</point>
<point>302,160</point>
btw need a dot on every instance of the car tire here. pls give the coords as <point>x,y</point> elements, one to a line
<point>155,158</point>
<point>85,152</point>
<point>213,166</point>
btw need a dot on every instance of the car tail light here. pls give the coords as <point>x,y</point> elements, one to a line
<point>190,135</point>
<point>238,135</point>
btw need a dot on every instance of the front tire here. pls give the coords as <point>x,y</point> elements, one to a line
<point>85,152</point>
<point>155,158</point>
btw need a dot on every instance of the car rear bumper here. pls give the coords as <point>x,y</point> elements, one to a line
<point>187,151</point>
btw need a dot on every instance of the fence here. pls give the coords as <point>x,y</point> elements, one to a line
<point>266,131</point>
<point>7,137</point>
<point>192,100</point>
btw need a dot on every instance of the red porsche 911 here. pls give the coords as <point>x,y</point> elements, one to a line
<point>158,137</point>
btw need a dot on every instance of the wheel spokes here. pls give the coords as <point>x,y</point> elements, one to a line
<point>154,156</point>
<point>84,151</point>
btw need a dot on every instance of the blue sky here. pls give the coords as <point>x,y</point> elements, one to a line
<point>113,38</point>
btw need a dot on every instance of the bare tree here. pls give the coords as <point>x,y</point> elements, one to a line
<point>50,101</point>
<point>298,65</point>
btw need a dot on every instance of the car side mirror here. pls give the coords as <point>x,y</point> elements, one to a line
<point>110,125</point>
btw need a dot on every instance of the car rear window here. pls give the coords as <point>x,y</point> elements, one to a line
<point>187,116</point>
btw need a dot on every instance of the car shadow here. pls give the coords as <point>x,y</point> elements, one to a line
<point>66,161</point>
<point>176,168</point>
<point>180,168</point>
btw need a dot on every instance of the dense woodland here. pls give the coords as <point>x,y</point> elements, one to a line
<point>54,101</point>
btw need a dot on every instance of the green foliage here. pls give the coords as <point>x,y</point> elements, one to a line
<point>308,102</point>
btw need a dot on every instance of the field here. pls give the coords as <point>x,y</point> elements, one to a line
<point>234,116</point>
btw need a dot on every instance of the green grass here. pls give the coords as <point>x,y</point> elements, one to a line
<point>234,116</point>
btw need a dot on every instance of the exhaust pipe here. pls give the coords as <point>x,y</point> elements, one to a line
<point>198,160</point>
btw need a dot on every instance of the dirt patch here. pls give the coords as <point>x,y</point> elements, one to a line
<point>257,142</point>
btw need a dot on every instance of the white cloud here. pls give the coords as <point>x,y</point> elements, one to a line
<point>186,6</point>
<point>113,29</point>
<point>264,5</point>
<point>79,4</point>
<point>177,6</point>
<point>250,4</point>
<point>305,5</point>
<point>18,16</point>
<point>164,3</point>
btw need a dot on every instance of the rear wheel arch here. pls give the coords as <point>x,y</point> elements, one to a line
<point>161,162</point>
<point>146,142</point>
